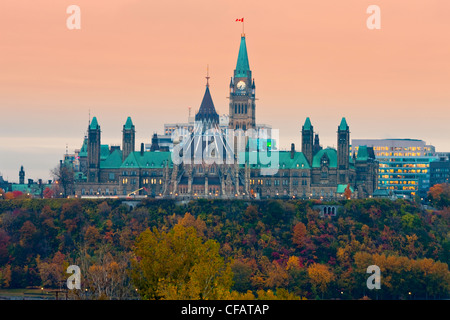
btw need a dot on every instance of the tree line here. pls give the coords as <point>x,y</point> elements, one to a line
<point>219,249</point>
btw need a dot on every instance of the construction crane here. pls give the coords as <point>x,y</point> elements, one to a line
<point>134,192</point>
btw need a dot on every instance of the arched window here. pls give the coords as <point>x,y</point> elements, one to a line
<point>245,108</point>
<point>235,108</point>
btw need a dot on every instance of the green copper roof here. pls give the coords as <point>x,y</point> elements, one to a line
<point>242,65</point>
<point>149,159</point>
<point>284,160</point>
<point>94,124</point>
<point>343,125</point>
<point>363,153</point>
<point>83,150</point>
<point>114,160</point>
<point>104,151</point>
<point>129,124</point>
<point>332,157</point>
<point>307,125</point>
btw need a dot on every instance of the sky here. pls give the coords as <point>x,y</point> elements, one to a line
<point>147,59</point>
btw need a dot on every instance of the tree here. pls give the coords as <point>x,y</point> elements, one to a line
<point>348,192</point>
<point>299,234</point>
<point>439,195</point>
<point>53,273</point>
<point>320,277</point>
<point>64,177</point>
<point>48,193</point>
<point>178,264</point>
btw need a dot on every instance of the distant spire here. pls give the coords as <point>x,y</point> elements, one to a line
<point>307,126</point>
<point>343,126</point>
<point>207,75</point>
<point>128,124</point>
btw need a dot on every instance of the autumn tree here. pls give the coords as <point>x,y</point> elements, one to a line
<point>53,273</point>
<point>190,221</point>
<point>178,264</point>
<point>439,195</point>
<point>104,275</point>
<point>348,192</point>
<point>320,277</point>
<point>299,234</point>
<point>48,193</point>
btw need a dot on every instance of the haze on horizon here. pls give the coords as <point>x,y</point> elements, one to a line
<point>147,60</point>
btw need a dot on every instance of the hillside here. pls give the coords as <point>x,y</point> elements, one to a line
<point>279,248</point>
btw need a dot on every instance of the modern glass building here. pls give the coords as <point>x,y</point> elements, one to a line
<point>404,164</point>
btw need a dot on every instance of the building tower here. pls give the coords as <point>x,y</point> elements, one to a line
<point>128,138</point>
<point>316,147</point>
<point>343,152</point>
<point>21,175</point>
<point>307,140</point>
<point>93,151</point>
<point>242,93</point>
<point>155,143</point>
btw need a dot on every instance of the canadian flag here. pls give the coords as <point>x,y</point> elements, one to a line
<point>241,20</point>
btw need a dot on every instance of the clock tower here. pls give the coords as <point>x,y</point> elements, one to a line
<point>242,93</point>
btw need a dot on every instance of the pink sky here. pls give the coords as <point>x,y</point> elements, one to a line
<point>147,59</point>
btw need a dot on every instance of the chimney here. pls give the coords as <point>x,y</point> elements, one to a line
<point>142,149</point>
<point>292,150</point>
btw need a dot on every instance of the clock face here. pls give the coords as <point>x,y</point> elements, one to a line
<point>241,85</point>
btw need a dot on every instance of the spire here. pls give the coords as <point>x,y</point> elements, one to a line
<point>307,126</point>
<point>207,112</point>
<point>128,124</point>
<point>207,75</point>
<point>94,124</point>
<point>242,65</point>
<point>343,126</point>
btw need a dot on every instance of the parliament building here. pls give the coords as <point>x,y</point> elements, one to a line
<point>312,172</point>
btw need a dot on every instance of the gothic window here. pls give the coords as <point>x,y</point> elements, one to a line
<point>244,127</point>
<point>235,108</point>
<point>245,108</point>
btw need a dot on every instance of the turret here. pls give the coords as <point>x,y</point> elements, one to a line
<point>93,150</point>
<point>128,138</point>
<point>307,140</point>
